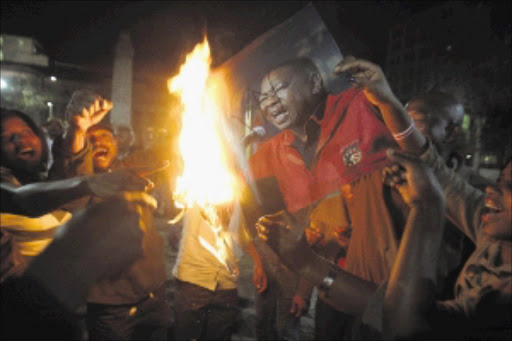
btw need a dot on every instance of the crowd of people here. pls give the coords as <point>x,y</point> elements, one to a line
<point>356,195</point>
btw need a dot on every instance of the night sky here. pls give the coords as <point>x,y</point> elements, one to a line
<point>163,32</point>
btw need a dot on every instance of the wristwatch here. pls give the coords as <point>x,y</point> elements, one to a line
<point>327,282</point>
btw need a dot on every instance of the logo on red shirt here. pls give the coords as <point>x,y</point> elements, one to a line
<point>351,154</point>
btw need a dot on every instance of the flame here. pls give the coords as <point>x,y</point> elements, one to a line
<point>206,180</point>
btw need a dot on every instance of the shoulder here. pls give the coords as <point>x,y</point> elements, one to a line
<point>6,176</point>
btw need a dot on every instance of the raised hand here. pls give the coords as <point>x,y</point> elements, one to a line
<point>370,78</point>
<point>415,181</point>
<point>91,115</point>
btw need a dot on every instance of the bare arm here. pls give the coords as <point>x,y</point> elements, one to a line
<point>464,202</point>
<point>372,80</point>
<point>100,240</point>
<point>83,120</point>
<point>346,292</point>
<point>40,198</point>
<point>410,290</point>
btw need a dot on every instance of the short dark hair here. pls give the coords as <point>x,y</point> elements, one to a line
<point>433,103</point>
<point>102,125</point>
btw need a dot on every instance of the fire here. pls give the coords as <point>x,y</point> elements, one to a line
<point>206,180</point>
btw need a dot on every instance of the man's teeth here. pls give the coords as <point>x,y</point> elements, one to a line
<point>26,151</point>
<point>492,208</point>
<point>280,117</point>
<point>101,152</point>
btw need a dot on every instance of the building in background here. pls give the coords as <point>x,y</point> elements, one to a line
<point>33,82</point>
<point>38,85</point>
<point>447,48</point>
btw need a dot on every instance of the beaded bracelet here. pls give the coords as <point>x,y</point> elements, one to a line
<point>403,134</point>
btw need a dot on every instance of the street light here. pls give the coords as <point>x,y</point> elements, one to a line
<point>50,108</point>
<point>53,78</point>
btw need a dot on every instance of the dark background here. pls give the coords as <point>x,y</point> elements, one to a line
<point>85,32</point>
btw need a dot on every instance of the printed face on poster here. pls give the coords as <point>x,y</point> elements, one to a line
<point>304,35</point>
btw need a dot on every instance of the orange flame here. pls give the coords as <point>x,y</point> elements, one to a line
<point>206,180</point>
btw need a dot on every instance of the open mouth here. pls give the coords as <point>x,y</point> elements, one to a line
<point>491,211</point>
<point>100,152</point>
<point>280,117</point>
<point>26,153</point>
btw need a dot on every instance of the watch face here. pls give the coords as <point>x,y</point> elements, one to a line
<point>328,281</point>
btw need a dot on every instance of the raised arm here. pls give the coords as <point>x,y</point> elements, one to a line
<point>410,290</point>
<point>464,202</point>
<point>370,78</point>
<point>82,118</point>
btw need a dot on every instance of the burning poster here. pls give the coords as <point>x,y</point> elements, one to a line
<point>302,36</point>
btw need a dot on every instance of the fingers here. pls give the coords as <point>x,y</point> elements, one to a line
<point>262,231</point>
<point>259,279</point>
<point>148,170</point>
<point>405,159</point>
<point>85,112</point>
<point>263,283</point>
<point>298,306</point>
<point>100,110</point>
<point>140,198</point>
<point>106,105</point>
<point>293,308</point>
<point>271,220</point>
<point>394,175</point>
<point>345,60</point>
<point>355,65</point>
<point>137,183</point>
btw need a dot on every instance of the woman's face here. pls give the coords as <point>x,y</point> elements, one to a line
<point>21,147</point>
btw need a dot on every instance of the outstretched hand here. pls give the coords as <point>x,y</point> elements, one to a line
<point>369,77</point>
<point>99,241</point>
<point>109,231</point>
<point>413,179</point>
<point>127,179</point>
<point>284,233</point>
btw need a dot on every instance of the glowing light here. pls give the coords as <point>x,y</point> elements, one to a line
<point>206,178</point>
<point>206,181</point>
<point>3,84</point>
<point>53,78</point>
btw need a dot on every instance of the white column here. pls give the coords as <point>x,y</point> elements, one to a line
<point>122,81</point>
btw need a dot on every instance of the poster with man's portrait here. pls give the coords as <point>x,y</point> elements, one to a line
<point>304,35</point>
<point>321,134</point>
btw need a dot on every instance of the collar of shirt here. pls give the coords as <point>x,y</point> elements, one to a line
<point>311,128</point>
